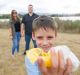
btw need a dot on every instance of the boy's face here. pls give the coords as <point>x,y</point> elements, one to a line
<point>44,39</point>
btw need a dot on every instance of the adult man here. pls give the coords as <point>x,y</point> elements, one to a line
<point>26,26</point>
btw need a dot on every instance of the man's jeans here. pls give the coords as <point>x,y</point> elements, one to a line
<point>16,40</point>
<point>27,40</point>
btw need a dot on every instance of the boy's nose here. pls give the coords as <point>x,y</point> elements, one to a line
<point>45,42</point>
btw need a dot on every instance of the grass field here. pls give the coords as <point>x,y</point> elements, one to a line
<point>15,66</point>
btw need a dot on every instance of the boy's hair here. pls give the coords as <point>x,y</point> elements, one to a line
<point>44,22</point>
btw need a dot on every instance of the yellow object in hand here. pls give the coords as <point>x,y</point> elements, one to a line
<point>47,59</point>
<point>34,53</point>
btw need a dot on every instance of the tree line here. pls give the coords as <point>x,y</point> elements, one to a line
<point>68,26</point>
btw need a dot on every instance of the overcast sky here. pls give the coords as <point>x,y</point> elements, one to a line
<point>41,6</point>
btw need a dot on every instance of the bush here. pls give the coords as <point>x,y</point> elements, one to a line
<point>4,25</point>
<point>68,25</point>
<point>63,25</point>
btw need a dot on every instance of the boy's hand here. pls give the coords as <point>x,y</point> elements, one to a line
<point>58,66</point>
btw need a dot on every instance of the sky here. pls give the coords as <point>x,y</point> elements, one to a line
<point>41,6</point>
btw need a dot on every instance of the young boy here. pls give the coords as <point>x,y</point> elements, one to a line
<point>45,33</point>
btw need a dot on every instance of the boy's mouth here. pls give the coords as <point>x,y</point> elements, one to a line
<point>46,49</point>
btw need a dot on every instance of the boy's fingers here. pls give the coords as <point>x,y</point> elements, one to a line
<point>68,69</point>
<point>54,60</point>
<point>61,63</point>
<point>41,66</point>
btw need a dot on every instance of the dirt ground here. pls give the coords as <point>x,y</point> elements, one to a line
<point>15,65</point>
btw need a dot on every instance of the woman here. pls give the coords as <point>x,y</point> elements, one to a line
<point>15,31</point>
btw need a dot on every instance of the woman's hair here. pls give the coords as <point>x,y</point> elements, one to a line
<point>44,22</point>
<point>12,17</point>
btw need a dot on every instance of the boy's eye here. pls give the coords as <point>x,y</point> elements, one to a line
<point>39,37</point>
<point>50,37</point>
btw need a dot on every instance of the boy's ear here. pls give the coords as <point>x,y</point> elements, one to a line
<point>33,36</point>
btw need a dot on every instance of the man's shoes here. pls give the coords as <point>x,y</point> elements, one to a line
<point>24,53</point>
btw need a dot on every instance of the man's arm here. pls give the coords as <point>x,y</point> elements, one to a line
<point>22,30</point>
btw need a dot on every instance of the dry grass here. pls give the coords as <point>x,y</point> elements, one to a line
<point>15,66</point>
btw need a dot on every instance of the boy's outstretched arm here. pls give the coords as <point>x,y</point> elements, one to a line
<point>31,69</point>
<point>58,67</point>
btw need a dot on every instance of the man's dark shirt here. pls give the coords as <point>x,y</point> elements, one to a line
<point>27,20</point>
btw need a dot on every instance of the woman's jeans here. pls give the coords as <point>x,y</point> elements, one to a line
<point>16,40</point>
<point>27,40</point>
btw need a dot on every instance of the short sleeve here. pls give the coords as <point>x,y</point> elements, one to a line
<point>23,19</point>
<point>31,69</point>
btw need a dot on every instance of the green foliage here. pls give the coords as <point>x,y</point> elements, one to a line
<point>6,16</point>
<point>4,25</point>
<point>63,25</point>
<point>68,25</point>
